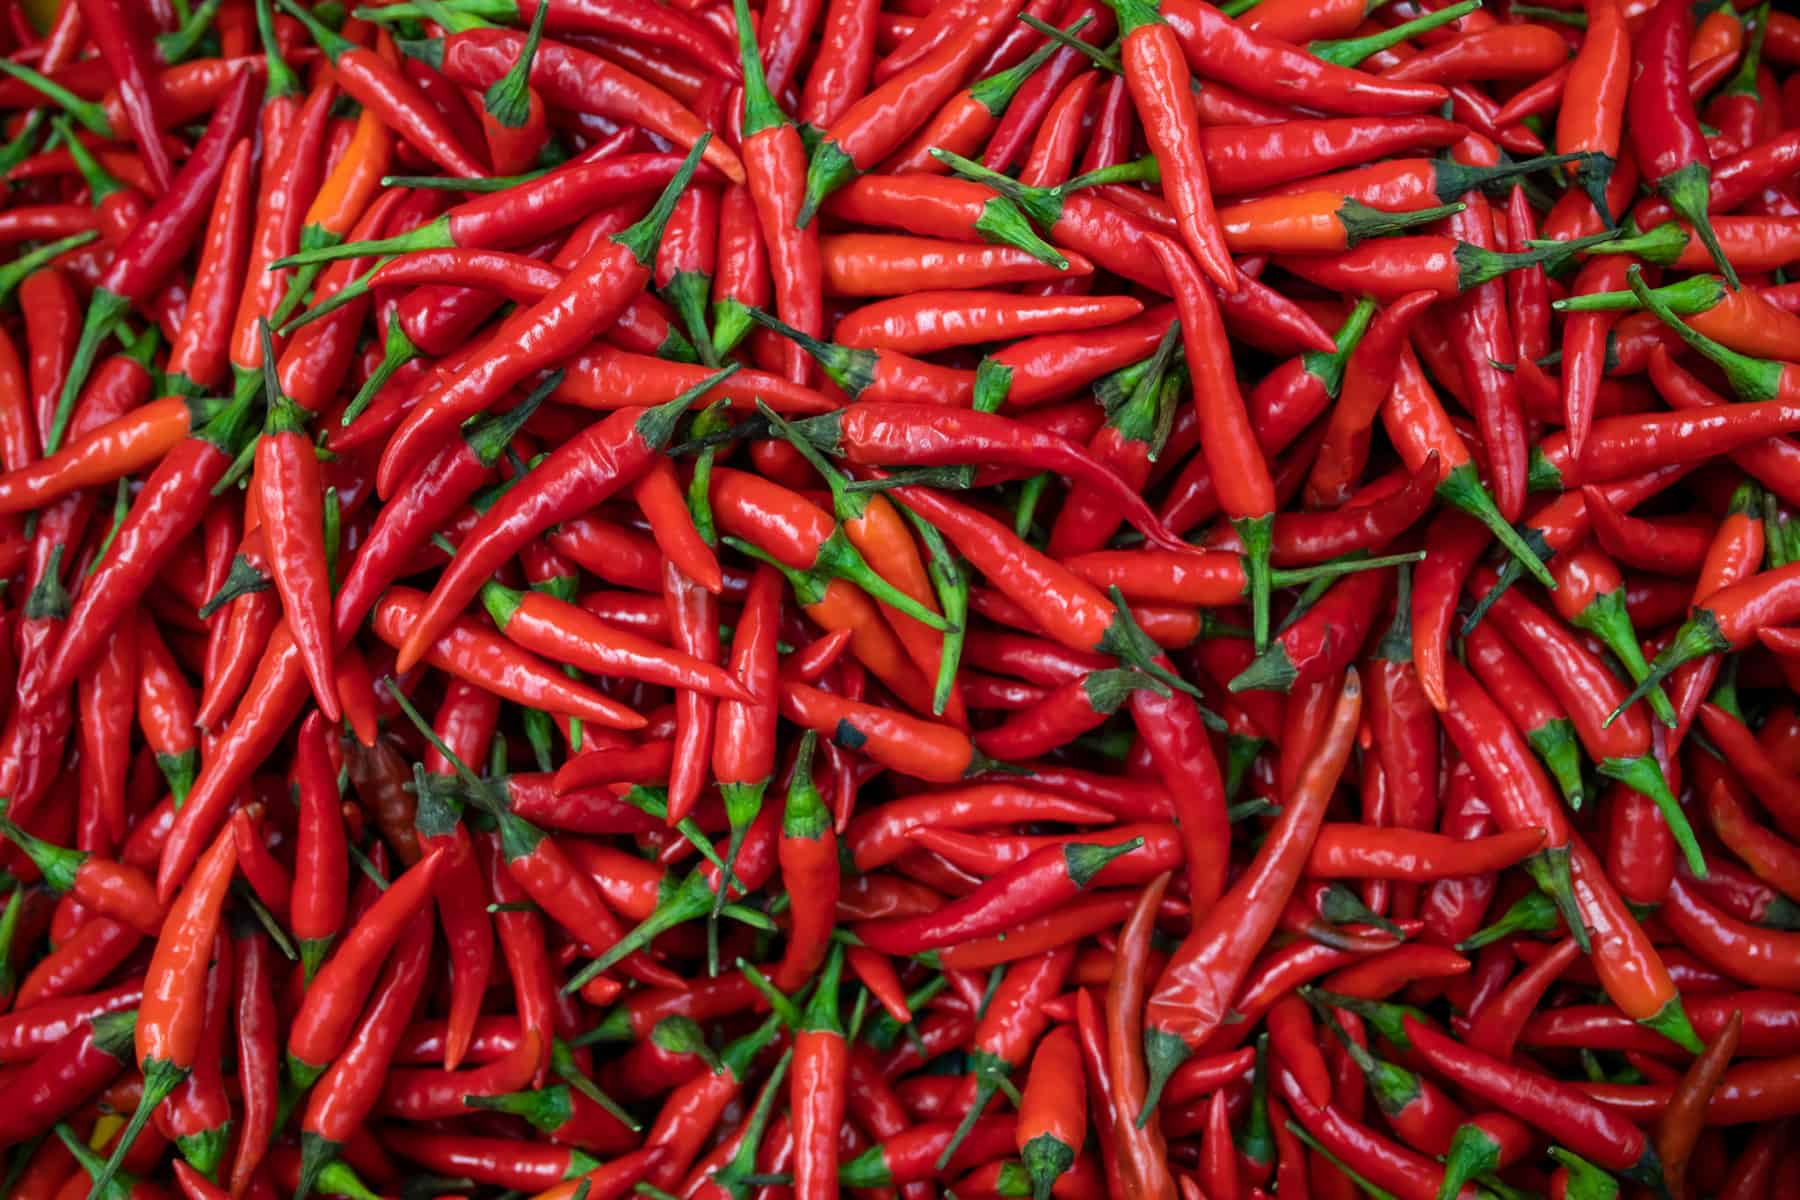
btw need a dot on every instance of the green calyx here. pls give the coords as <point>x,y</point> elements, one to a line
<point>113,1032</point>
<point>851,370</point>
<point>49,600</point>
<point>1605,617</point>
<point>508,101</point>
<point>1644,776</point>
<point>1126,640</point>
<point>761,111</point>
<point>396,351</point>
<point>830,169</point>
<point>1476,265</point>
<point>1384,1017</point>
<point>1695,294</point>
<point>1362,222</point>
<point>810,437</point>
<point>1084,860</point>
<point>1341,906</point>
<point>839,558</point>
<point>1271,671</point>
<point>501,602</point>
<point>1328,369</point>
<point>1462,488</point>
<point>488,438</point>
<point>1455,180</point>
<point>1163,1053</point>
<point>204,1151</point>
<point>1141,417</point>
<point>58,864</point>
<point>805,815</point>
<point>997,91</point>
<point>1107,690</point>
<point>1698,636</point>
<point>1583,1180</point>
<point>1047,1158</point>
<point>1003,218</point>
<point>1394,1086</point>
<point>657,425</point>
<point>821,1012</point>
<point>1550,869</point>
<point>1750,378</point>
<point>1555,742</point>
<point>1347,52</point>
<point>1688,191</point>
<point>1134,14</point>
<point>1473,1153</point>
<point>545,1109</point>
<point>241,579</point>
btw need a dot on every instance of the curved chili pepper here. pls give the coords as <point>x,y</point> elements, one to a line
<point>578,475</point>
<point>879,122</point>
<point>1218,48</point>
<point>1189,1000</point>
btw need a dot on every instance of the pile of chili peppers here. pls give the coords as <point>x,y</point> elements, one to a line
<point>901,598</point>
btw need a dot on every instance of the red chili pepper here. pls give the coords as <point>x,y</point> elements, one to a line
<point>1665,133</point>
<point>880,121</point>
<point>1190,998</point>
<point>171,1016</point>
<point>609,455</point>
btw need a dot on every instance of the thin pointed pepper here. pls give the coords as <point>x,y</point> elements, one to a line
<point>129,61</point>
<point>1239,470</point>
<point>111,889</point>
<point>809,869</point>
<point>290,498</point>
<point>171,504</point>
<point>893,433</point>
<point>1052,1111</point>
<point>1189,1000</point>
<point>570,77</point>
<point>589,300</point>
<point>145,260</point>
<point>876,528</point>
<point>1161,84</point>
<point>1665,132</point>
<point>774,166</point>
<point>608,456</point>
<point>168,1030</point>
<point>323,1025</point>
<point>881,120</point>
<point>377,84</point>
<point>344,1096</point>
